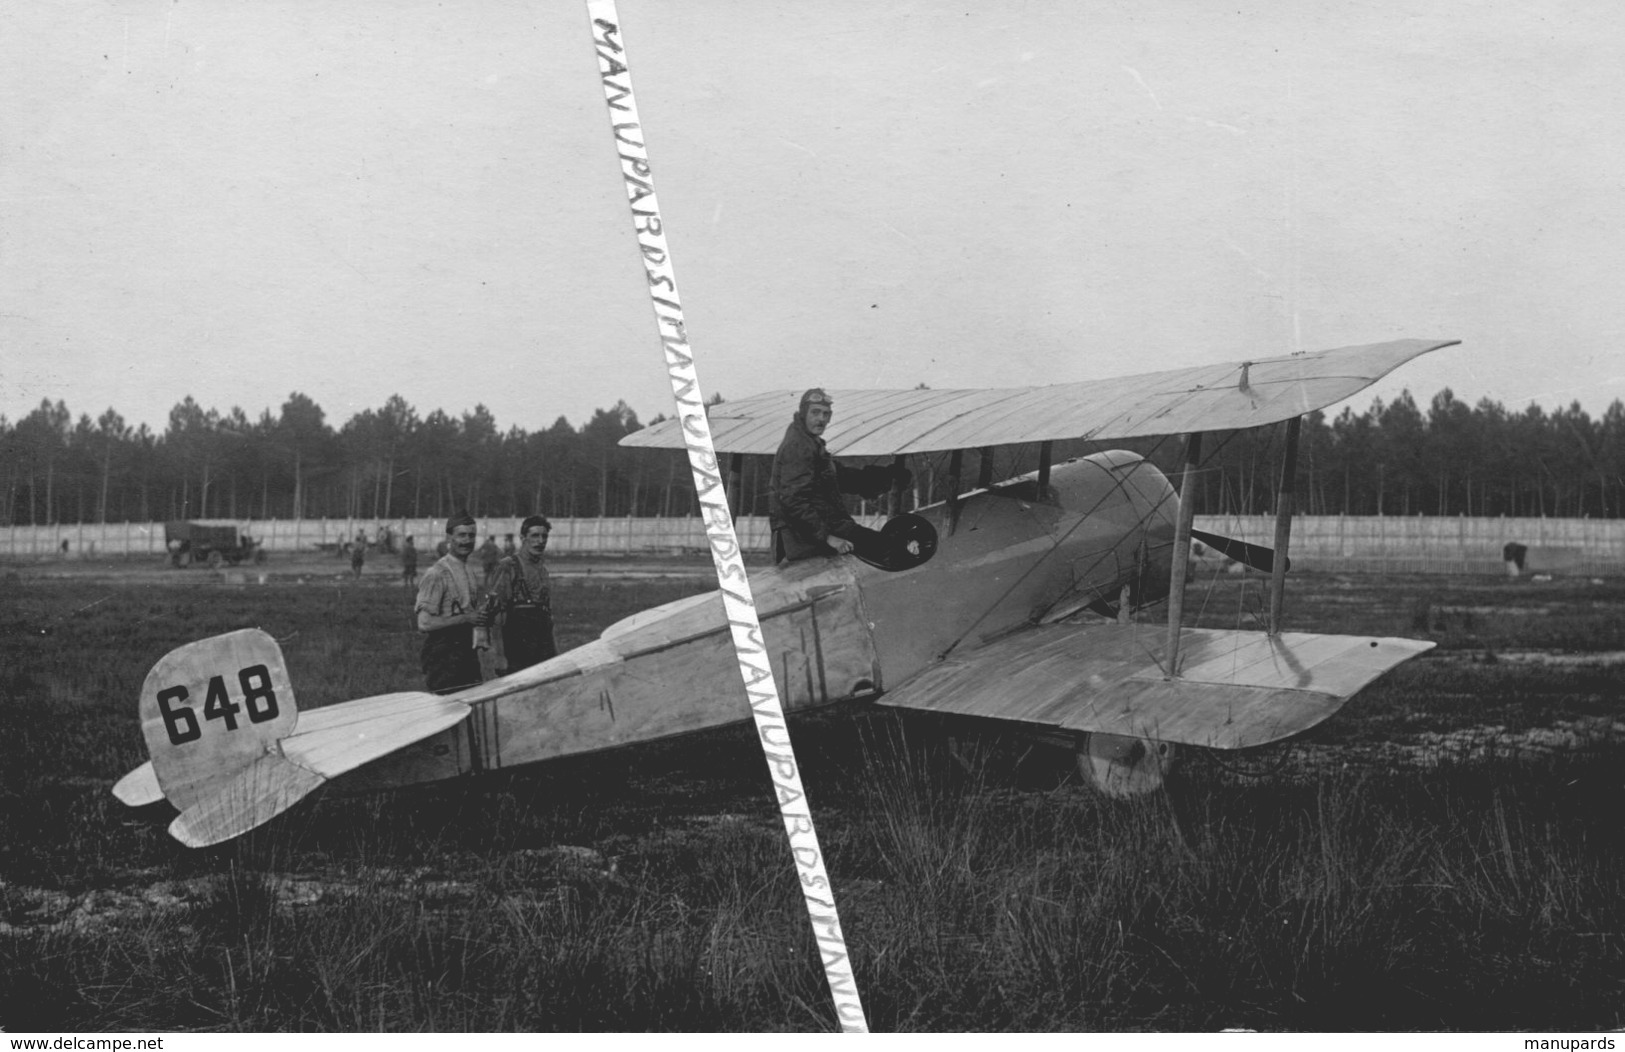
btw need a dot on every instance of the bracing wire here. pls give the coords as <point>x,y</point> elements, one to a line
<point>1057,540</point>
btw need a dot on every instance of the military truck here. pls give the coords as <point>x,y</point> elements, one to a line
<point>191,542</point>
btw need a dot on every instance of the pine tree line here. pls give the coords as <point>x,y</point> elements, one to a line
<point>390,462</point>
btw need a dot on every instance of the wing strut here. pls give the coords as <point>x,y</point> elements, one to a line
<point>895,504</point>
<point>1283,522</point>
<point>1182,548</point>
<point>956,468</point>
<point>1046,452</point>
<point>736,476</point>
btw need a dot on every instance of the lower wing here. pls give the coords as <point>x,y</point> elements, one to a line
<point>1234,689</point>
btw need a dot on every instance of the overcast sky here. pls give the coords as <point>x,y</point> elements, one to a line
<point>240,200</point>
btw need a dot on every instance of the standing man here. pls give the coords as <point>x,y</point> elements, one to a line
<point>524,596</point>
<point>804,496</point>
<point>409,564</point>
<point>448,612</point>
<point>358,553</point>
<point>489,555</point>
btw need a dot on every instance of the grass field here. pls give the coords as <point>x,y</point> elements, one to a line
<point>1444,854</point>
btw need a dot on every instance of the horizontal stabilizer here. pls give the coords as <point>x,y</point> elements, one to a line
<point>139,788</point>
<point>1235,689</point>
<point>341,738</point>
<point>253,796</point>
<point>327,743</point>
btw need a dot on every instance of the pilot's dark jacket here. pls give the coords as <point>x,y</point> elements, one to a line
<point>804,503</point>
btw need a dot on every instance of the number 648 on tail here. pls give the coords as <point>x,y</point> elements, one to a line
<point>204,706</point>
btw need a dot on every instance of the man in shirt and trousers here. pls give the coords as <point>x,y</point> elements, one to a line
<point>409,563</point>
<point>490,554</point>
<point>804,496</point>
<point>524,598</point>
<point>450,614</point>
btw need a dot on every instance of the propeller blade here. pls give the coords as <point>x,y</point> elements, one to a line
<point>1253,556</point>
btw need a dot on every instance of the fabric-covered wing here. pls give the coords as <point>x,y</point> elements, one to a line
<point>1235,689</point>
<point>872,423</point>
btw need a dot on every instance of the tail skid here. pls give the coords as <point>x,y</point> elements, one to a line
<point>246,754</point>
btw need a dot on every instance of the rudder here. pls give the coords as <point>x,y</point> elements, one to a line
<point>211,709</point>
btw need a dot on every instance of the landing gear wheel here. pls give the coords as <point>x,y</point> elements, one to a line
<point>215,559</point>
<point>1123,767</point>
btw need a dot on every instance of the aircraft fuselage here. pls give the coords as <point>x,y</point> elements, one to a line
<point>836,628</point>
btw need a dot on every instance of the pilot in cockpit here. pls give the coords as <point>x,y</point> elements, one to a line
<point>805,507</point>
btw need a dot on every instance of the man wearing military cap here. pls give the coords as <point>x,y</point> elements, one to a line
<point>804,495</point>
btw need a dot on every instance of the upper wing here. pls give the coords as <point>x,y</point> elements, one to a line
<point>1234,690</point>
<point>871,423</point>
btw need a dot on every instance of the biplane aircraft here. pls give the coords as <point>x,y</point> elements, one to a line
<point>1018,610</point>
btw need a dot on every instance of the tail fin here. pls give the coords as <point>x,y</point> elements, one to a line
<point>212,708</point>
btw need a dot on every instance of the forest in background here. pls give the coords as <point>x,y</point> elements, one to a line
<point>1396,458</point>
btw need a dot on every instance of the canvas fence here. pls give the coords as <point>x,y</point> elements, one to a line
<point>1355,543</point>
